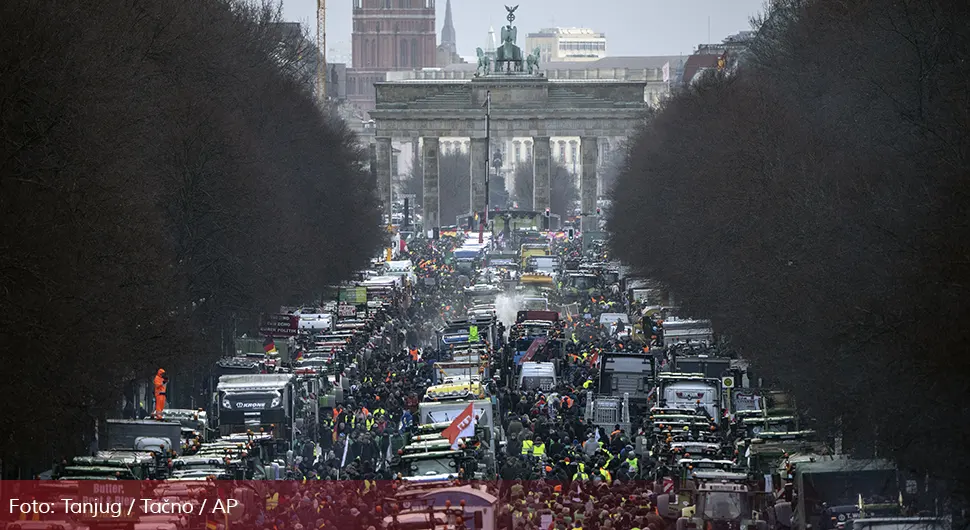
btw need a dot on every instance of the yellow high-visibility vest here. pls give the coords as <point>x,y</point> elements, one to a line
<point>527,446</point>
<point>539,449</point>
<point>273,501</point>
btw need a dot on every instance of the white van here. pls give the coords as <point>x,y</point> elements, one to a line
<point>537,375</point>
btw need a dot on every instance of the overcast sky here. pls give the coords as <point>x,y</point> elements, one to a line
<point>632,27</point>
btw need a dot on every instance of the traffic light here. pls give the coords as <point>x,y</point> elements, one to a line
<point>570,233</point>
<point>436,233</point>
<point>545,220</point>
<point>407,213</point>
<point>547,212</point>
<point>599,211</point>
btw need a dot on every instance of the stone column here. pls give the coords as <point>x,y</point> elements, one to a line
<point>432,210</point>
<point>542,152</point>
<point>589,154</point>
<point>479,159</point>
<point>384,185</point>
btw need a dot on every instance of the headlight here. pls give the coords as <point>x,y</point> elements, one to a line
<point>276,402</point>
<point>226,404</point>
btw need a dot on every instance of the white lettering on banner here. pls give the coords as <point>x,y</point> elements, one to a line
<point>109,488</point>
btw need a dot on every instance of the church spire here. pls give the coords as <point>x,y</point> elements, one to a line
<point>448,31</point>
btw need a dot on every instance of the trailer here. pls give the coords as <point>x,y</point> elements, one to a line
<point>143,435</point>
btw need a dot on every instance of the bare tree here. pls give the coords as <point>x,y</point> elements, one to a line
<point>163,177</point>
<point>811,208</point>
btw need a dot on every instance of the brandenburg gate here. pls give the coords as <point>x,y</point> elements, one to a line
<point>524,103</point>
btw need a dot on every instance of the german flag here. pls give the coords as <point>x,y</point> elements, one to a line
<point>269,345</point>
<point>211,525</point>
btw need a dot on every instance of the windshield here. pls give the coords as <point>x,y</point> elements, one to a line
<point>609,319</point>
<point>583,282</point>
<point>533,382</point>
<point>723,505</point>
<point>533,304</point>
<point>436,466</point>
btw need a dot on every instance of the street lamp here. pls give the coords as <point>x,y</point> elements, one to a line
<point>488,138</point>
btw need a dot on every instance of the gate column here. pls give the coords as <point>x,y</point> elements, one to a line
<point>384,185</point>
<point>542,152</point>
<point>589,153</point>
<point>429,157</point>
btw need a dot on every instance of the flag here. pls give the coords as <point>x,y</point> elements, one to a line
<point>666,71</point>
<point>211,525</point>
<point>463,426</point>
<point>343,461</point>
<point>472,333</point>
<point>269,346</point>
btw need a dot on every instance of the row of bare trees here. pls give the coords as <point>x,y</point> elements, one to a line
<point>814,202</point>
<point>163,181</point>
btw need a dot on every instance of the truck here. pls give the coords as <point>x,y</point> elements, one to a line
<point>143,435</point>
<point>678,331</point>
<point>531,250</point>
<point>578,285</point>
<point>608,411</point>
<point>114,465</point>
<point>723,503</point>
<point>254,402</point>
<point>829,484</point>
<point>534,375</point>
<point>627,373</point>
<point>686,391</point>
<point>472,370</point>
<point>428,457</point>
<point>444,412</point>
<point>708,365</point>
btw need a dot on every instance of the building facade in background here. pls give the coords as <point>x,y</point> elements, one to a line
<point>725,55</point>
<point>567,44</point>
<point>388,35</point>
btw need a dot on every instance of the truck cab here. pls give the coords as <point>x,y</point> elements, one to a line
<point>722,505</point>
<point>692,392</point>
<point>627,373</point>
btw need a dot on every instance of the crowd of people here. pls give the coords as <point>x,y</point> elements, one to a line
<point>554,470</point>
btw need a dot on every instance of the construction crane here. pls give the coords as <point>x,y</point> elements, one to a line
<point>322,51</point>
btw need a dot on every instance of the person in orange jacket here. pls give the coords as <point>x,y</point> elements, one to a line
<point>161,381</point>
